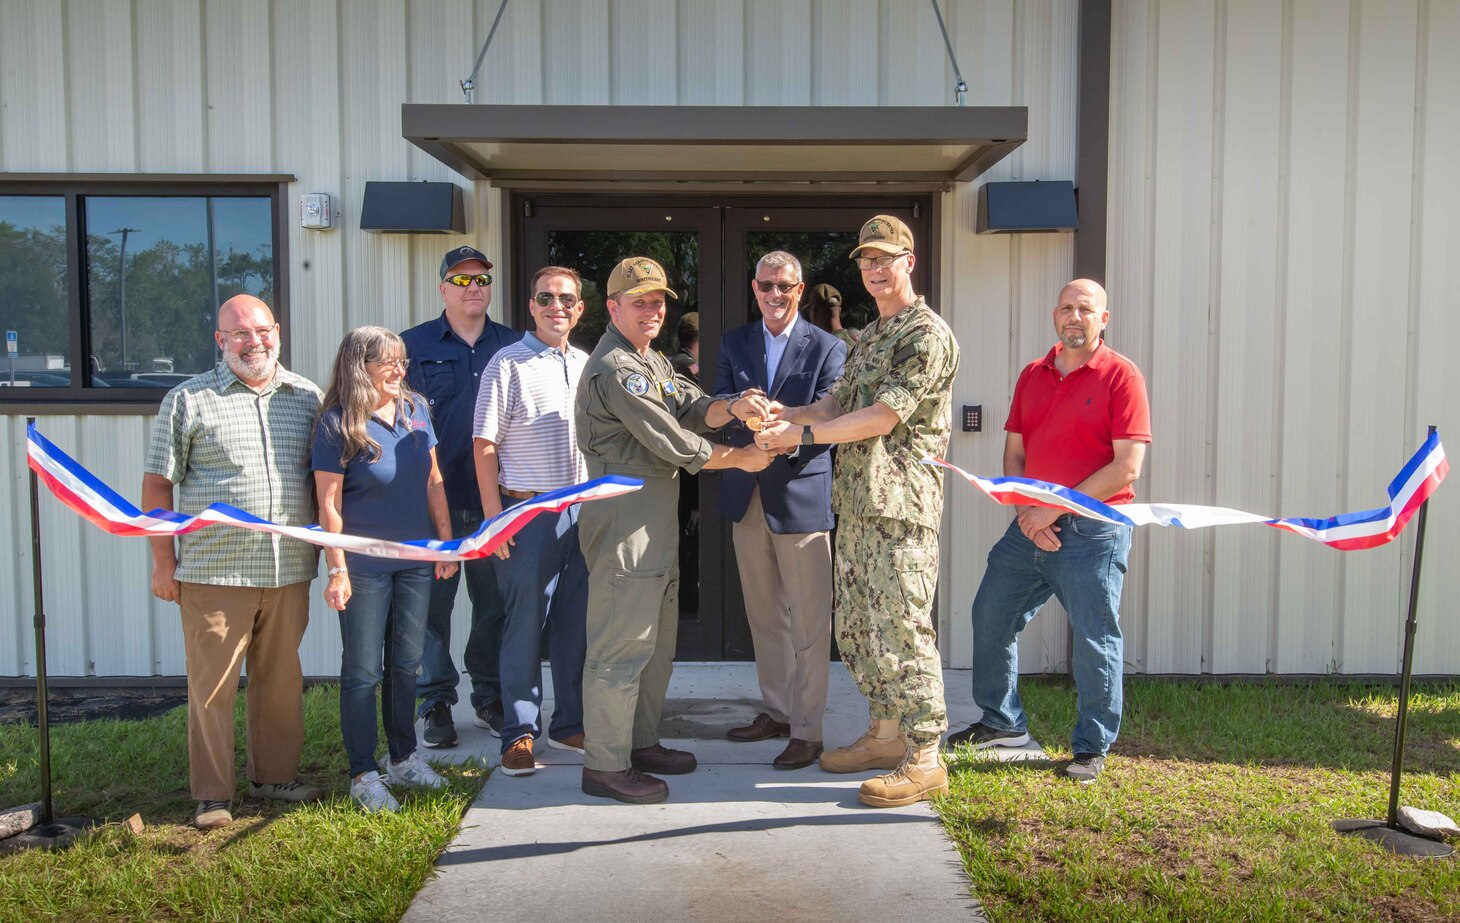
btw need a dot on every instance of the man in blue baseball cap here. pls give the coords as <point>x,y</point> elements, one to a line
<point>447,355</point>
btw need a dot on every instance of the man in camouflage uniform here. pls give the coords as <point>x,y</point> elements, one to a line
<point>636,418</point>
<point>890,409</point>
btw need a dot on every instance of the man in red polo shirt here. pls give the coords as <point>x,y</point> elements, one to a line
<point>1080,418</point>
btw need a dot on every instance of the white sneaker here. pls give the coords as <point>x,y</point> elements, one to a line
<point>412,771</point>
<point>371,793</point>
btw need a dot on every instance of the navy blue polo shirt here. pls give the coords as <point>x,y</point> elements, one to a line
<point>448,371</point>
<point>385,498</point>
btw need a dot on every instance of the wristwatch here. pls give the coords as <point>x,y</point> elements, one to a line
<point>337,570</point>
<point>806,437</point>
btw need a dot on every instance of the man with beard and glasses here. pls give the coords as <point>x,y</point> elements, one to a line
<point>239,434</point>
<point>1080,418</point>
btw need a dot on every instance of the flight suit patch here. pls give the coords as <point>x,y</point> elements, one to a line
<point>668,386</point>
<point>636,385</point>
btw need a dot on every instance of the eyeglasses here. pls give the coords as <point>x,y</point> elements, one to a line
<point>566,299</point>
<point>785,288</point>
<point>244,334</point>
<point>464,280</point>
<point>881,262</point>
<point>402,364</point>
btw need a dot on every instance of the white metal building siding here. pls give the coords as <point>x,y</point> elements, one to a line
<point>1230,208</point>
<point>1282,254</point>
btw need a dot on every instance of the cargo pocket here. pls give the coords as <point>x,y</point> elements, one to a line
<point>917,579</point>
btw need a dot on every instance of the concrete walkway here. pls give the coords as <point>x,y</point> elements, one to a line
<point>736,840</point>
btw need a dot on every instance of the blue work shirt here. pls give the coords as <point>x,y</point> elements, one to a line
<point>448,371</point>
<point>385,498</point>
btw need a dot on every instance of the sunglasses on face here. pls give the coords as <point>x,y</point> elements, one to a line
<point>464,279</point>
<point>402,364</point>
<point>881,262</point>
<point>785,288</point>
<point>566,299</point>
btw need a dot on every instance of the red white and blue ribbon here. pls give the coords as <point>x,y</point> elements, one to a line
<point>1419,478</point>
<point>88,496</point>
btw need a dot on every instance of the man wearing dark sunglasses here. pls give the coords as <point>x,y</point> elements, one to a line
<point>782,515</point>
<point>447,357</point>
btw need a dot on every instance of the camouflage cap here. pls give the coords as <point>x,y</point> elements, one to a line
<point>636,276</point>
<point>884,233</point>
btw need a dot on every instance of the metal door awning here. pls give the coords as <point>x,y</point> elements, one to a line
<point>711,143</point>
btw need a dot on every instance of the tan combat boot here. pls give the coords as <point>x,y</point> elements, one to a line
<point>921,776</point>
<point>882,747</point>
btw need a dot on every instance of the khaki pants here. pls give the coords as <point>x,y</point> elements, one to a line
<point>224,626</point>
<point>631,544</point>
<point>787,584</point>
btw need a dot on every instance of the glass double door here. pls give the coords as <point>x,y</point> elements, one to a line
<point>709,250</point>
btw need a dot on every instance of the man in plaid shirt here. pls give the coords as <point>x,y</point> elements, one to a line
<point>239,434</point>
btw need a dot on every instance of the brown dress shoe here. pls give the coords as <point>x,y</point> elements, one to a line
<point>663,760</point>
<point>764,727</point>
<point>630,786</point>
<point>798,753</point>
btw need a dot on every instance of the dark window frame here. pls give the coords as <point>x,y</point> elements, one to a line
<point>72,188</point>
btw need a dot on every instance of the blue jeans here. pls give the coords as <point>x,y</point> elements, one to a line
<point>382,628</point>
<point>1086,575</point>
<point>544,582</point>
<point>439,678</point>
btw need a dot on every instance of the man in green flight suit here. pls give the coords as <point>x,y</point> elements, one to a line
<point>891,408</point>
<point>636,418</point>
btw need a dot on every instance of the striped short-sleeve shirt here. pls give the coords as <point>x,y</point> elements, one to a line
<point>220,441</point>
<point>525,407</point>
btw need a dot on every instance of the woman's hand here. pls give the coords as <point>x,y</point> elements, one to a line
<point>445,570</point>
<point>337,592</point>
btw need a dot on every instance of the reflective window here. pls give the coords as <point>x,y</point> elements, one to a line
<point>157,269</point>
<point>33,302</point>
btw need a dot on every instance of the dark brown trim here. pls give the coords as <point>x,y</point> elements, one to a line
<point>1093,139</point>
<point>445,130</point>
<point>149,179</point>
<point>722,189</point>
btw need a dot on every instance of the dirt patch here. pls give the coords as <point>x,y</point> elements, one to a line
<point>67,706</point>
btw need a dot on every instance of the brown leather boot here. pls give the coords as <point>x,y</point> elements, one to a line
<point>629,785</point>
<point>882,747</point>
<point>921,776</point>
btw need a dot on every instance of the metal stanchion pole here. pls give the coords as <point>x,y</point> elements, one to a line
<point>1387,832</point>
<point>51,832</point>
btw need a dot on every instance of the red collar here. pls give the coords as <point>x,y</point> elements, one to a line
<point>1099,359</point>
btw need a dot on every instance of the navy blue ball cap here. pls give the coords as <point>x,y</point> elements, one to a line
<point>460,255</point>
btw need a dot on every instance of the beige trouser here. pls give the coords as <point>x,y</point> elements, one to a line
<point>222,627</point>
<point>631,544</point>
<point>786,580</point>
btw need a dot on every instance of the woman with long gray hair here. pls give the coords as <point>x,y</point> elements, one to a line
<point>375,474</point>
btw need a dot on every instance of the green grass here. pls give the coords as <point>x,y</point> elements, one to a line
<point>1215,805</point>
<point>324,861</point>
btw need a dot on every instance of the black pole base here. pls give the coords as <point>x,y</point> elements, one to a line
<point>1399,842</point>
<point>58,834</point>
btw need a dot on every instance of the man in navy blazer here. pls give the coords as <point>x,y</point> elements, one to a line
<point>782,515</point>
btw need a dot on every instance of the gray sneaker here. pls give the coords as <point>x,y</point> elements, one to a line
<point>490,717</point>
<point>284,791</point>
<point>981,736</point>
<point>412,771</point>
<point>440,730</point>
<point>372,794</point>
<point>1084,768</point>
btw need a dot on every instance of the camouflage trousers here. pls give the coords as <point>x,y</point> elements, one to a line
<point>886,572</point>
